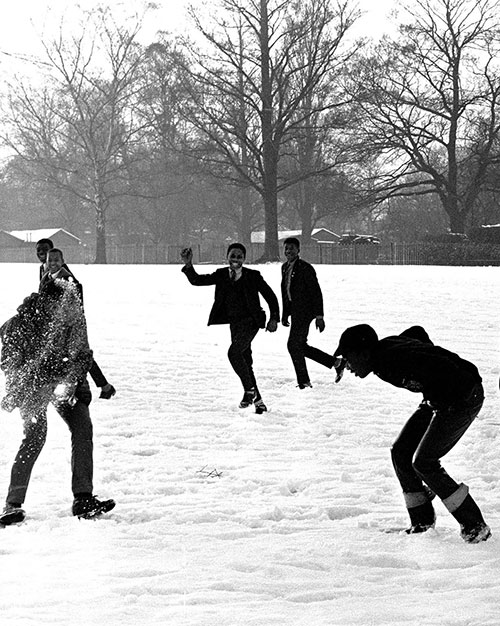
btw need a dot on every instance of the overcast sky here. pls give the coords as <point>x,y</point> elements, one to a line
<point>22,20</point>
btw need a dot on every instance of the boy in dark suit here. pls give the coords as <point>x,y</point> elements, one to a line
<point>237,303</point>
<point>303,303</point>
<point>452,397</point>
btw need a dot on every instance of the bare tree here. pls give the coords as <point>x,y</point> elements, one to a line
<point>77,123</point>
<point>429,103</point>
<point>256,89</point>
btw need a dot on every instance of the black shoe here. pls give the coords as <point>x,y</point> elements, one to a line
<point>12,514</point>
<point>477,533</point>
<point>89,507</point>
<point>260,407</point>
<point>248,399</point>
<point>304,385</point>
<point>418,528</point>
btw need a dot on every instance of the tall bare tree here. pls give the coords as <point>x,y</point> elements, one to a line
<point>429,102</point>
<point>75,124</point>
<point>256,89</point>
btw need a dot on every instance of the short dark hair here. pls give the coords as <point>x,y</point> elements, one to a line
<point>293,241</point>
<point>57,250</point>
<point>49,242</point>
<point>238,246</point>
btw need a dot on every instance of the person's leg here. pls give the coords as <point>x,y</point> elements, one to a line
<point>417,497</point>
<point>240,351</point>
<point>77,418</point>
<point>34,414</point>
<point>297,342</point>
<point>445,430</point>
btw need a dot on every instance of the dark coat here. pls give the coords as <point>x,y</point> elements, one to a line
<point>253,284</point>
<point>444,378</point>
<point>307,299</point>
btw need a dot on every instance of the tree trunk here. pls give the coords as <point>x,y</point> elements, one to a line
<point>270,197</point>
<point>100,230</point>
<point>305,210</point>
<point>457,221</point>
<point>269,151</point>
<point>245,233</point>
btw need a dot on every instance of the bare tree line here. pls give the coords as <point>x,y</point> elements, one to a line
<point>274,116</point>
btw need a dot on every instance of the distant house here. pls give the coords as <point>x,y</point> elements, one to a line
<point>318,235</point>
<point>23,238</point>
<point>9,241</point>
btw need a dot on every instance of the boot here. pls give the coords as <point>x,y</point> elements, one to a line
<point>88,507</point>
<point>473,528</point>
<point>422,517</point>
<point>12,514</point>
<point>249,398</point>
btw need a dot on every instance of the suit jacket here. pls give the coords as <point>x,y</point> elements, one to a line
<point>307,299</point>
<point>253,284</point>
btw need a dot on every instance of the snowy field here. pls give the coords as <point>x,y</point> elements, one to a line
<point>228,518</point>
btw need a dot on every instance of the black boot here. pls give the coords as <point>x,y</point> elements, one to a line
<point>473,528</point>
<point>422,518</point>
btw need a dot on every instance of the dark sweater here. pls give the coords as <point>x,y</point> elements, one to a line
<point>444,378</point>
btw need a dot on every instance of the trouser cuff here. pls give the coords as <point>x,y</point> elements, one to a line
<point>456,499</point>
<point>415,498</point>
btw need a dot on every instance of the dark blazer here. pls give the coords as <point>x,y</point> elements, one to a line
<point>253,285</point>
<point>307,299</point>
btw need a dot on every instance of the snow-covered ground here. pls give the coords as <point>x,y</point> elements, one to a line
<point>228,518</point>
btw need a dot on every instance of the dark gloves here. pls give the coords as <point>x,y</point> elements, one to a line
<point>107,392</point>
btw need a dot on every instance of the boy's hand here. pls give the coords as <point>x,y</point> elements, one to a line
<point>272,326</point>
<point>187,256</point>
<point>339,365</point>
<point>320,323</point>
<point>107,392</point>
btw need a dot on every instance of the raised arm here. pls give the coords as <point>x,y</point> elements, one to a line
<point>191,274</point>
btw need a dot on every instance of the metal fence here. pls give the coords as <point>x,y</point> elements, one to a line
<point>327,253</point>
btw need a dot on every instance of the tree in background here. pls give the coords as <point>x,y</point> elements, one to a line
<point>429,102</point>
<point>258,85</point>
<point>74,127</point>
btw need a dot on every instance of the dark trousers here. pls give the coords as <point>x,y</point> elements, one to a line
<point>240,351</point>
<point>34,414</point>
<point>299,349</point>
<point>427,437</point>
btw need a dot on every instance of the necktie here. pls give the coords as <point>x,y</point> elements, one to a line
<point>232,274</point>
